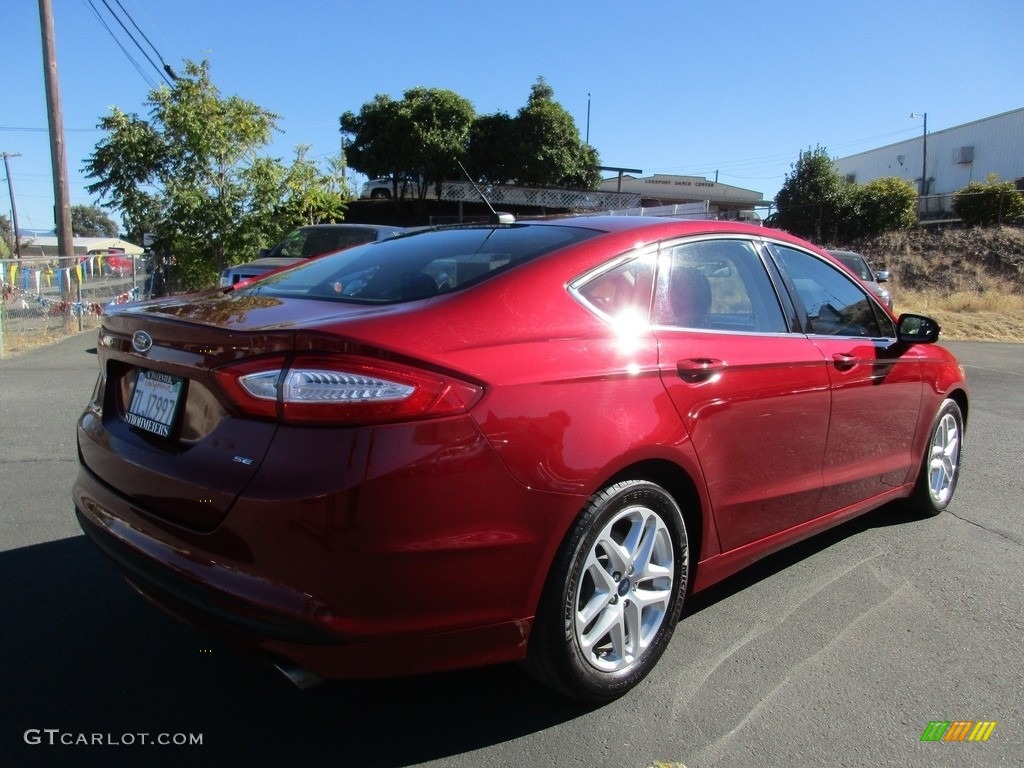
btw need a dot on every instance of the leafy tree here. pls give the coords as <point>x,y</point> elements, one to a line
<point>441,121</point>
<point>422,138</point>
<point>491,140</point>
<point>549,150</point>
<point>882,205</point>
<point>6,237</point>
<point>91,221</point>
<point>417,140</point>
<point>192,175</point>
<point>989,202</point>
<point>379,144</point>
<point>814,201</point>
<point>309,196</point>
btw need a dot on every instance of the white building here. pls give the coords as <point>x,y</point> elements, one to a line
<point>46,247</point>
<point>955,157</point>
<point>665,189</point>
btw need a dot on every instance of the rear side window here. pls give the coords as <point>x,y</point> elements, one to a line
<point>622,291</point>
<point>420,265</point>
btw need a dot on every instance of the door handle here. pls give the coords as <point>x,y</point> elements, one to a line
<point>844,360</point>
<point>697,369</point>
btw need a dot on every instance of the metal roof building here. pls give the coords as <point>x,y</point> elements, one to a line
<point>669,189</point>
<point>35,247</point>
<point>955,157</point>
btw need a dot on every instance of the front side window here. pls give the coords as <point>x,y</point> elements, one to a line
<point>716,284</point>
<point>835,304</point>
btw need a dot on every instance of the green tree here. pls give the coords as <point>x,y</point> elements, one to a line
<point>491,141</point>
<point>549,150</point>
<point>379,144</point>
<point>989,202</point>
<point>441,121</point>
<point>91,221</point>
<point>418,140</point>
<point>882,205</point>
<point>309,195</point>
<point>192,174</point>
<point>814,201</point>
<point>6,237</point>
<point>422,138</point>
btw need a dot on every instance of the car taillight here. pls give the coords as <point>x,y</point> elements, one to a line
<point>342,390</point>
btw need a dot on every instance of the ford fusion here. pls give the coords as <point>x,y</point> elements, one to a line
<point>520,442</point>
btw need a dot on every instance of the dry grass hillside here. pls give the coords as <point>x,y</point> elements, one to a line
<point>970,280</point>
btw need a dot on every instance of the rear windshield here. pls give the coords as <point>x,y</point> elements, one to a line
<point>420,265</point>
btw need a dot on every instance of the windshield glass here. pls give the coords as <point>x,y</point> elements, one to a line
<point>420,265</point>
<point>856,264</point>
<point>307,242</point>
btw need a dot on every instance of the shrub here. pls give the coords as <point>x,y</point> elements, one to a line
<point>885,204</point>
<point>989,202</point>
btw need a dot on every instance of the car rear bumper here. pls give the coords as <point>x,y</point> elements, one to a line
<point>374,577</point>
<point>307,644</point>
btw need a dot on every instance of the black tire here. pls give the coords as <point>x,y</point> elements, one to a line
<point>380,194</point>
<point>940,467</point>
<point>631,540</point>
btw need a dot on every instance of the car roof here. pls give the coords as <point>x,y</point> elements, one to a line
<point>653,228</point>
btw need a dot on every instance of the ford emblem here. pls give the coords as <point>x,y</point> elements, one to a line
<point>142,342</point>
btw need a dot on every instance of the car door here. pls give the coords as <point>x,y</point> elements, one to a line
<point>753,395</point>
<point>876,382</point>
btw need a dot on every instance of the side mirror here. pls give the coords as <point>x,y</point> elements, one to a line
<point>883,276</point>
<point>917,329</point>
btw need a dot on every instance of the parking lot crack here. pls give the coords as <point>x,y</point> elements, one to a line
<point>1001,532</point>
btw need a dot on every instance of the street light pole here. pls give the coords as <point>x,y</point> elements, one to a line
<point>588,118</point>
<point>924,152</point>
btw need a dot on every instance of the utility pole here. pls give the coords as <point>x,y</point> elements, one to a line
<point>14,208</point>
<point>58,153</point>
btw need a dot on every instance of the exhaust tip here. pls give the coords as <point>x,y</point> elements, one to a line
<point>298,676</point>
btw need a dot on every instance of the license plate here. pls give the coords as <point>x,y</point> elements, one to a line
<point>155,402</point>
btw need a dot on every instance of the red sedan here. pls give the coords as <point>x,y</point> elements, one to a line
<point>514,442</point>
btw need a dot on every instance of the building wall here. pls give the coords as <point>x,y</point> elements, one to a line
<point>956,157</point>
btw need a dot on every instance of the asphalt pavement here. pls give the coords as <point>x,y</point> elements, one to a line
<point>839,651</point>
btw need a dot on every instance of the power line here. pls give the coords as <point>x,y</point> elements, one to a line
<point>132,38</point>
<point>167,67</point>
<point>29,129</point>
<point>138,67</point>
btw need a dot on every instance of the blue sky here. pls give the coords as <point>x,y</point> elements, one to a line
<point>674,87</point>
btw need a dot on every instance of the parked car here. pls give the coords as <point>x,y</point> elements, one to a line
<point>119,264</point>
<point>305,243</point>
<point>860,267</point>
<point>382,189</point>
<point>527,442</point>
<point>376,189</point>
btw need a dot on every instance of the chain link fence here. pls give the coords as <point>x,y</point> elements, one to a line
<point>45,299</point>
